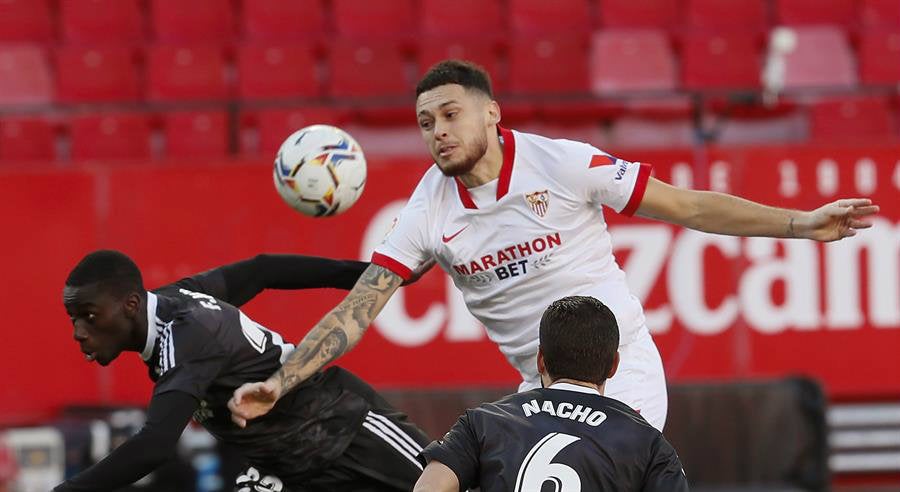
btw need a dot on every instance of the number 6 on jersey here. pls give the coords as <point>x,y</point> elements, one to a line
<point>537,467</point>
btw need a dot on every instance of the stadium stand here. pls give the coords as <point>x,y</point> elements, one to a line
<point>536,17</point>
<point>875,49</point>
<point>662,14</point>
<point>91,75</point>
<point>272,71</point>
<point>715,15</point>
<point>283,20</point>
<point>27,139</point>
<point>101,21</point>
<point>25,20</point>
<point>196,134</point>
<point>25,76</point>
<point>197,21</point>
<point>467,19</point>
<point>110,136</point>
<point>180,73</point>
<point>721,61</point>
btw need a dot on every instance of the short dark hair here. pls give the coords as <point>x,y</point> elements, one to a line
<point>579,337</point>
<point>464,73</point>
<point>114,270</point>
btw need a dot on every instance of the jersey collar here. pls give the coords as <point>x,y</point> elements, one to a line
<point>574,387</point>
<point>151,327</point>
<point>509,157</point>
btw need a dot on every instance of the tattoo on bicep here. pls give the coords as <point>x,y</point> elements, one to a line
<point>379,279</point>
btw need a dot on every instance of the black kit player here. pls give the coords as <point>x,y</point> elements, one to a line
<point>333,433</point>
<point>565,435</point>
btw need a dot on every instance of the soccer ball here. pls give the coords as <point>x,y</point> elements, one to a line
<point>320,170</point>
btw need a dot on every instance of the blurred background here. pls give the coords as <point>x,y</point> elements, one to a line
<point>150,126</point>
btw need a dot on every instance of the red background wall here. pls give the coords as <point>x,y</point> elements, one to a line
<point>719,307</point>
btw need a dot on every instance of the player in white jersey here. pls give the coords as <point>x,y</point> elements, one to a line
<point>516,220</point>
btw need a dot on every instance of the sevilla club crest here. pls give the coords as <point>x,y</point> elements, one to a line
<point>539,201</point>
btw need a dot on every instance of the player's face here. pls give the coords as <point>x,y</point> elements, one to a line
<point>102,323</point>
<point>455,124</point>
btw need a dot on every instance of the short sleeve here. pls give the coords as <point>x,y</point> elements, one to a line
<point>665,472</point>
<point>459,451</point>
<point>405,248</point>
<point>188,361</point>
<point>606,180</point>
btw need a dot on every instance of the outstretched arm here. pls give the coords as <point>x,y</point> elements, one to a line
<point>238,283</point>
<point>721,213</point>
<point>167,416</point>
<point>338,332</point>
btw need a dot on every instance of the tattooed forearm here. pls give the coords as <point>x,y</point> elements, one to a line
<point>341,329</point>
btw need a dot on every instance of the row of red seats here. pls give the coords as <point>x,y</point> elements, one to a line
<point>194,134</point>
<point>95,21</point>
<point>610,63</point>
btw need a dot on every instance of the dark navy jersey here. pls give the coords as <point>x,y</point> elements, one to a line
<point>565,435</point>
<point>200,345</point>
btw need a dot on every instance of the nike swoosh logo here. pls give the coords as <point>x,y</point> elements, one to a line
<point>447,239</point>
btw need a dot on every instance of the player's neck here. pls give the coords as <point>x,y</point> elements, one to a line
<point>600,388</point>
<point>487,168</point>
<point>139,332</point>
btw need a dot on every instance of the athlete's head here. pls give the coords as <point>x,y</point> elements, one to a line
<point>104,297</point>
<point>457,114</point>
<point>579,340</point>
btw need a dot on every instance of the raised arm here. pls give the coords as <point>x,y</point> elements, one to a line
<point>721,213</point>
<point>338,332</point>
<point>238,283</point>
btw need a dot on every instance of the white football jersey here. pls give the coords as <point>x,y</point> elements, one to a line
<point>540,238</point>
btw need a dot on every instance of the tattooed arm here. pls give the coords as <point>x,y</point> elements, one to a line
<point>339,331</point>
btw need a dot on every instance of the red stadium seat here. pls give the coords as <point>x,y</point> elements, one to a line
<point>25,20</point>
<point>815,12</point>
<point>852,118</point>
<point>101,21</point>
<point>370,69</point>
<point>807,67</point>
<point>186,73</point>
<point>631,60</point>
<point>876,51</point>
<point>731,14</point>
<point>482,52</point>
<point>639,13</point>
<point>25,76</point>
<point>196,134</point>
<point>277,20</point>
<point>97,74</point>
<point>549,65</point>
<point>539,17</point>
<point>277,71</point>
<point>714,61</point>
<point>110,136</point>
<point>274,125</point>
<point>207,21</point>
<point>467,18</point>
<point>880,13</point>
<point>365,18</point>
<point>27,139</point>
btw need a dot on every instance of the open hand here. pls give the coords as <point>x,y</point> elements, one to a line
<point>836,220</point>
<point>252,400</point>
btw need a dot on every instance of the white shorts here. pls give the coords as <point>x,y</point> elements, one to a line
<point>640,381</point>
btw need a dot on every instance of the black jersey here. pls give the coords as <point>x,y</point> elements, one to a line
<point>561,435</point>
<point>205,347</point>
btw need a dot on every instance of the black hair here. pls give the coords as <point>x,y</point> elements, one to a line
<point>115,271</point>
<point>464,73</point>
<point>579,337</point>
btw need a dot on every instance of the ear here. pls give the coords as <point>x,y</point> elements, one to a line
<point>133,305</point>
<point>493,110</point>
<point>540,361</point>
<point>614,367</point>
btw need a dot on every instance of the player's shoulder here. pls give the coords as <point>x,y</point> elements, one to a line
<point>561,149</point>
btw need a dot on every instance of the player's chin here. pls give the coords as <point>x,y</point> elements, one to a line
<point>454,168</point>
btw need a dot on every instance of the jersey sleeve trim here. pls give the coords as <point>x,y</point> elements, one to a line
<point>637,194</point>
<point>393,265</point>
